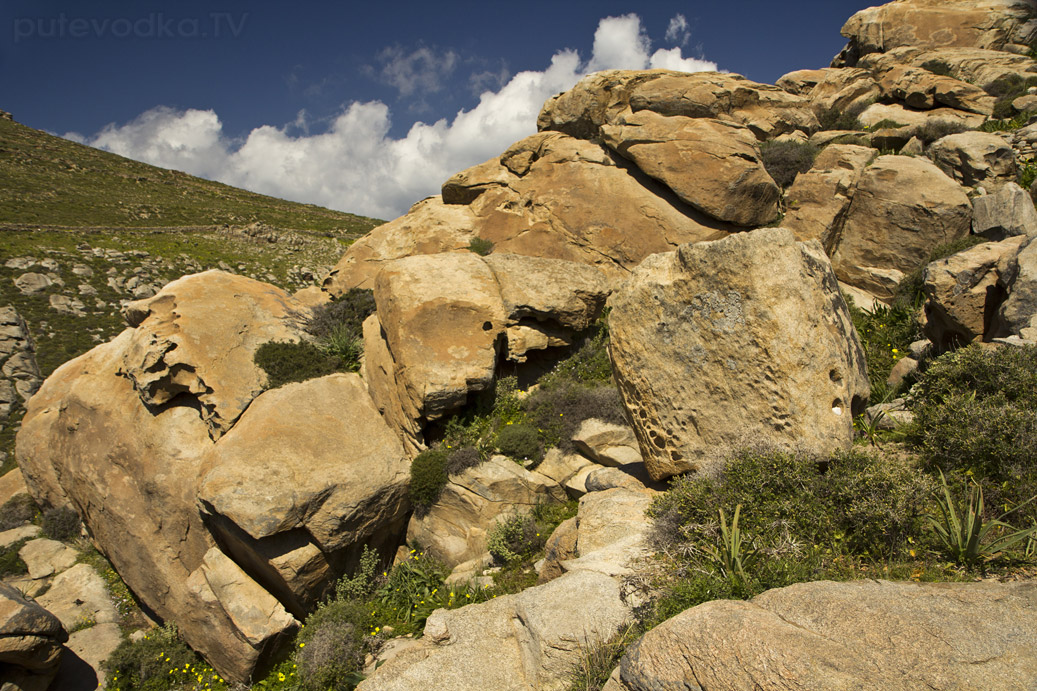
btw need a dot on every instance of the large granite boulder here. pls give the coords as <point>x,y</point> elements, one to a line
<point>745,338</point>
<point>920,89</point>
<point>1018,314</point>
<point>854,635</point>
<point>31,641</point>
<point>975,159</point>
<point>902,209</point>
<point>127,434</point>
<point>1006,213</point>
<point>976,66</point>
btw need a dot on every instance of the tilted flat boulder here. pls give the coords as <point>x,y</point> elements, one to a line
<point>30,642</point>
<point>976,66</point>
<point>877,112</point>
<point>854,635</point>
<point>741,338</point>
<point>921,89</point>
<point>975,159</point>
<point>455,528</point>
<point>902,209</point>
<point>710,164</point>
<point>308,476</point>
<point>833,90</point>
<point>198,336</point>
<point>963,295</point>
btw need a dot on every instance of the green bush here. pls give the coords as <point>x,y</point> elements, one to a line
<point>885,124</point>
<point>427,477</point>
<point>784,160</point>
<point>976,417</point>
<point>10,563</point>
<point>286,362</point>
<point>346,312</point>
<point>413,589</point>
<point>18,510</point>
<point>909,292</point>
<point>1006,89</point>
<point>61,523</point>
<point>460,460</point>
<point>885,333</point>
<point>514,538</point>
<point>838,119</point>
<point>589,364</point>
<point>1027,173</point>
<point>520,442</point>
<point>158,661</point>
<point>480,246</point>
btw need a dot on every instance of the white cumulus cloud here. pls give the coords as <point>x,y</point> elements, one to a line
<point>355,164</point>
<point>678,31</point>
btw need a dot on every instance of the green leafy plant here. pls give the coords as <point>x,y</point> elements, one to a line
<point>728,555</point>
<point>157,662</point>
<point>363,580</point>
<point>480,246</point>
<point>331,647</point>
<point>1027,173</point>
<point>414,589</point>
<point>885,124</point>
<point>963,532</point>
<point>286,362</point>
<point>514,538</point>
<point>10,563</point>
<point>886,332</point>
<point>520,442</point>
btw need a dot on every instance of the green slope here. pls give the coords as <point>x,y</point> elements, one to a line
<point>47,180</point>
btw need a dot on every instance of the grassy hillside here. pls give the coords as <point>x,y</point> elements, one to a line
<point>56,182</point>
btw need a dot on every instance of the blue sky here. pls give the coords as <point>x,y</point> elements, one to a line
<point>365,107</point>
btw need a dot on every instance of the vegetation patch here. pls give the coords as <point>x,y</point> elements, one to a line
<point>481,246</point>
<point>784,160</point>
<point>10,563</point>
<point>61,523</point>
<point>18,510</point>
<point>428,477</point>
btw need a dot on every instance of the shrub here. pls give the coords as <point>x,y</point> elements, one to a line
<point>10,563</point>
<point>885,124</point>
<point>589,364</point>
<point>1006,89</point>
<point>1027,173</point>
<point>159,660</point>
<point>938,129</point>
<point>938,67</point>
<point>364,579</point>
<point>558,411</point>
<point>61,523</point>
<point>520,442</point>
<point>347,312</point>
<point>332,646</point>
<point>414,589</point>
<point>427,477</point>
<point>976,416</point>
<point>514,538</point>
<point>784,160</point>
<point>462,459</point>
<point>837,119</point>
<point>480,246</point>
<point>18,510</point>
<point>286,362</point>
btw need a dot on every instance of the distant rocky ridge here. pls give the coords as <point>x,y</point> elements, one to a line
<point>230,508</point>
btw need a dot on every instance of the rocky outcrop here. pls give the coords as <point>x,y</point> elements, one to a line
<point>933,24</point>
<point>222,537</point>
<point>741,338</point>
<point>963,293</point>
<point>455,528</point>
<point>859,634</point>
<point>976,66</point>
<point>30,643</point>
<point>922,90</point>
<point>1018,314</point>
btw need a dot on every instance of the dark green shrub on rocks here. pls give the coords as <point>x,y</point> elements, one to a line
<point>18,510</point>
<point>286,362</point>
<point>520,442</point>
<point>61,523</point>
<point>557,411</point>
<point>428,476</point>
<point>784,160</point>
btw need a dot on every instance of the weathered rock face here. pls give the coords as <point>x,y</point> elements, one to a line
<point>902,209</point>
<point>877,112</point>
<point>975,159</point>
<point>218,536</point>
<point>1006,213</point>
<point>30,642</point>
<point>341,482</point>
<point>742,337</point>
<point>830,89</point>
<point>975,66</point>
<point>710,164</point>
<point>454,530</point>
<point>921,89</point>
<point>929,24</point>
<point>860,634</point>
<point>194,338</point>
<point>963,293</point>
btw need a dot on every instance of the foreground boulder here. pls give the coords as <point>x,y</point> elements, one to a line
<point>30,643</point>
<point>299,479</point>
<point>745,338</point>
<point>863,634</point>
